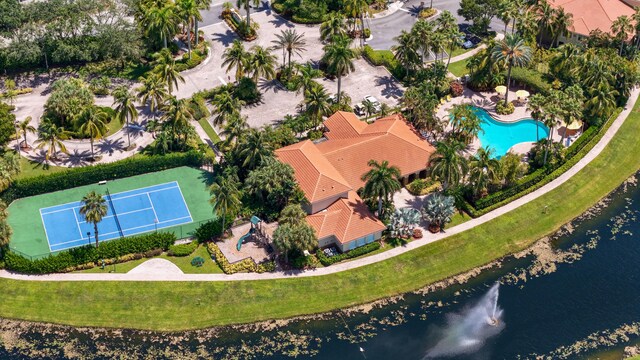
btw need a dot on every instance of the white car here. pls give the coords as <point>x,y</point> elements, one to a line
<point>374,101</point>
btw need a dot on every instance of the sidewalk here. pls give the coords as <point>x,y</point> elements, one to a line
<point>429,238</point>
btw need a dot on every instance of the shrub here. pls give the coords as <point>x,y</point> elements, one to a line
<point>456,89</point>
<point>417,234</point>
<point>426,13</point>
<point>384,58</point>
<point>247,91</point>
<point>17,92</point>
<point>244,265</point>
<point>326,261</point>
<point>315,134</point>
<point>88,256</point>
<point>91,174</point>
<point>423,186</point>
<point>367,33</point>
<point>208,231</point>
<point>503,109</point>
<point>531,79</point>
<point>100,86</point>
<point>197,261</point>
<point>183,249</point>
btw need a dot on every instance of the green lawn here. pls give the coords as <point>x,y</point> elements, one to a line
<point>28,231</point>
<point>459,68</point>
<point>188,305</point>
<point>30,168</point>
<point>184,263</point>
<point>209,130</point>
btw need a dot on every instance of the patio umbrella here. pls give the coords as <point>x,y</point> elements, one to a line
<point>522,94</point>
<point>575,125</point>
<point>501,89</point>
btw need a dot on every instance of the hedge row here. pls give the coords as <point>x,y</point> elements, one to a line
<point>530,79</point>
<point>183,249</point>
<point>541,177</point>
<point>326,261</point>
<point>69,260</point>
<point>81,176</point>
<point>197,57</point>
<point>385,58</point>
<point>244,265</point>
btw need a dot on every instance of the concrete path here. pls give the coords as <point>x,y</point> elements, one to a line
<point>156,267</point>
<point>429,238</point>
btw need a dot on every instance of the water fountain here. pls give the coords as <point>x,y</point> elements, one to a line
<point>467,330</point>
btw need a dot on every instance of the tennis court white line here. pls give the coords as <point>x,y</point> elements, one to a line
<point>119,214</point>
<point>112,199</point>
<point>78,224</point>
<point>123,230</point>
<point>45,230</point>
<point>185,203</point>
<point>153,208</point>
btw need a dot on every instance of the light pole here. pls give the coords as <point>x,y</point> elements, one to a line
<point>155,223</point>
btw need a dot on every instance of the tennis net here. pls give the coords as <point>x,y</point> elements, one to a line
<point>115,215</point>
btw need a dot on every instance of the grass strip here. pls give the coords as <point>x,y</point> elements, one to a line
<point>172,306</point>
<point>211,133</point>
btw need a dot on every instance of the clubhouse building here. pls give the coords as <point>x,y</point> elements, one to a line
<point>329,172</point>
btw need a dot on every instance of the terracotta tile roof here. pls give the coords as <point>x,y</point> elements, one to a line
<point>343,125</point>
<point>388,138</point>
<point>589,15</point>
<point>347,219</point>
<point>317,178</point>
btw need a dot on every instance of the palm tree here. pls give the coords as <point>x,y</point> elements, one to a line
<point>202,5</point>
<point>306,75</point>
<point>165,66</point>
<point>94,209</point>
<point>381,182</point>
<point>422,32</point>
<point>357,9</point>
<point>332,27</point>
<point>189,10</point>
<point>561,22</point>
<point>94,126</point>
<point>50,136</point>
<point>369,108</point>
<point>247,7</point>
<point>235,129</point>
<point>255,149</point>
<point>124,101</point>
<point>225,198</point>
<point>24,128</point>
<point>513,52</point>
<point>292,214</point>
<point>484,169</point>
<point>262,63</point>
<point>601,100</point>
<point>163,21</point>
<point>448,164</point>
<point>291,42</point>
<point>544,13</point>
<point>177,115</point>
<point>448,24</point>
<point>405,51</point>
<point>225,105</point>
<point>317,104</point>
<point>621,27</point>
<point>339,59</point>
<point>236,56</point>
<point>153,92</point>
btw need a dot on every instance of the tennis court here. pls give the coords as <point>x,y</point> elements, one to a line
<point>129,213</point>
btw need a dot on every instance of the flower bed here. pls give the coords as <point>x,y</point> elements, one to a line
<point>244,265</point>
<point>326,260</point>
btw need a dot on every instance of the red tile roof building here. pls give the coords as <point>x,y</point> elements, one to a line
<point>589,15</point>
<point>330,172</point>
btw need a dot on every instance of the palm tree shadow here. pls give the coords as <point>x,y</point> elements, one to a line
<point>225,38</point>
<point>77,158</point>
<point>391,87</point>
<point>279,21</point>
<point>109,146</point>
<point>414,10</point>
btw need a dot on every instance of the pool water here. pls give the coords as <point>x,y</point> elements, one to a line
<point>501,136</point>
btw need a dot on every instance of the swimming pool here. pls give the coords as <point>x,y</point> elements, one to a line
<point>501,136</point>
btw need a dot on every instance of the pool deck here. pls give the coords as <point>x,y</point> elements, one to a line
<point>487,101</point>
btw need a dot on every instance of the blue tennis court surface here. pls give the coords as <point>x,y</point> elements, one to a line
<point>136,211</point>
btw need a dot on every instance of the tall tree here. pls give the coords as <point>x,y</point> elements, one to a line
<point>512,51</point>
<point>225,198</point>
<point>381,182</point>
<point>236,57</point>
<point>339,59</point>
<point>255,149</point>
<point>448,164</point>
<point>291,42</point>
<point>560,22</point>
<point>621,28</point>
<point>94,125</point>
<point>50,137</point>
<point>333,27</point>
<point>247,8</point>
<point>24,128</point>
<point>262,63</point>
<point>225,105</point>
<point>544,14</point>
<point>317,104</point>
<point>177,116</point>
<point>483,170</point>
<point>189,11</point>
<point>234,130</point>
<point>292,214</point>
<point>153,92</point>
<point>306,75</point>
<point>294,238</point>
<point>124,101</point>
<point>163,21</point>
<point>357,9</point>
<point>165,66</point>
<point>93,209</point>
<point>405,51</point>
